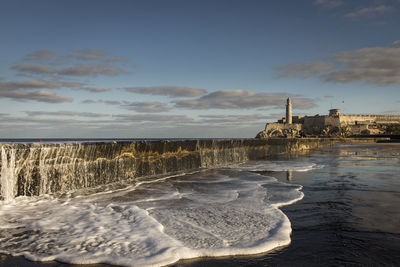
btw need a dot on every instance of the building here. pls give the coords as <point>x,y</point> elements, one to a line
<point>333,124</point>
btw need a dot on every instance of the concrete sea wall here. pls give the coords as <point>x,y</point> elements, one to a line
<point>43,168</point>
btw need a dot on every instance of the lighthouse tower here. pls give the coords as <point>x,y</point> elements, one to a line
<point>289,111</point>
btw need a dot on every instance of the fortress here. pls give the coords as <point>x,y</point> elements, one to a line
<point>334,124</point>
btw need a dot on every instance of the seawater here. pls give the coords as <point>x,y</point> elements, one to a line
<point>349,215</point>
<point>157,221</point>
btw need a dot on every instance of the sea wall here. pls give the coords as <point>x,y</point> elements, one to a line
<point>43,168</point>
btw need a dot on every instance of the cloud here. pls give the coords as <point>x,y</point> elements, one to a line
<point>40,95</point>
<point>92,51</point>
<point>395,44</point>
<point>86,57</point>
<point>375,65</point>
<point>77,70</point>
<point>26,85</point>
<point>116,59</point>
<point>89,54</point>
<point>88,101</point>
<point>73,84</point>
<point>171,91</point>
<point>369,12</point>
<point>40,55</point>
<point>235,119</point>
<point>99,69</point>
<point>21,91</point>
<point>65,113</point>
<point>34,69</point>
<point>303,70</point>
<point>153,118</point>
<point>328,4</point>
<point>147,107</point>
<point>110,102</point>
<point>93,89</point>
<point>240,99</point>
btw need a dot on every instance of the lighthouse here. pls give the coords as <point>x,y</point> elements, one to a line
<point>289,111</point>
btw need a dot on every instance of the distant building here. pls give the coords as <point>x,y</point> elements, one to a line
<point>334,124</point>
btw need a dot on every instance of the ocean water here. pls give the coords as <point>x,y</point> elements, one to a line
<point>336,206</point>
<point>214,212</point>
<point>349,215</point>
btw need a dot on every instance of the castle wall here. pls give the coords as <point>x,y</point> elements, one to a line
<point>366,119</point>
<point>313,125</point>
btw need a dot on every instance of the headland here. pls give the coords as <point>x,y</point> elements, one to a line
<point>335,124</point>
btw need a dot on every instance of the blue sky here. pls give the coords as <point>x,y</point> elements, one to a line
<point>162,69</point>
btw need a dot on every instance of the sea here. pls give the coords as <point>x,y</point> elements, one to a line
<point>337,206</point>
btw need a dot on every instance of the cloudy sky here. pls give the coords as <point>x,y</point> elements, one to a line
<point>167,68</point>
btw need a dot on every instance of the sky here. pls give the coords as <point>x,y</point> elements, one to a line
<point>191,69</point>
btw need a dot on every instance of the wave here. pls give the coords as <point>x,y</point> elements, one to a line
<point>216,212</point>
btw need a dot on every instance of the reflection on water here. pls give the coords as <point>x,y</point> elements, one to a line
<point>289,175</point>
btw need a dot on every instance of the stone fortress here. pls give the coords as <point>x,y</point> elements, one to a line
<point>333,125</point>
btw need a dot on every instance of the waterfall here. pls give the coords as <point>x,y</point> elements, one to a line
<point>37,169</point>
<point>8,174</point>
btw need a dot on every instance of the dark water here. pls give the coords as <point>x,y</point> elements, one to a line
<point>349,215</point>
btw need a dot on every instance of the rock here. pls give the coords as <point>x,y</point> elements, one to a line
<point>262,135</point>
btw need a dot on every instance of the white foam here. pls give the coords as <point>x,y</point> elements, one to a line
<point>211,213</point>
<point>8,174</point>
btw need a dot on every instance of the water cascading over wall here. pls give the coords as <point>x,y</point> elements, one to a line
<point>43,168</point>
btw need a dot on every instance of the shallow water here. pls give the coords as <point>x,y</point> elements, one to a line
<point>348,217</point>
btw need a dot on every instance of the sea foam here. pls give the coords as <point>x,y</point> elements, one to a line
<point>215,212</point>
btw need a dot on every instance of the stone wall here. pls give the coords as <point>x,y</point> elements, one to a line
<point>379,119</point>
